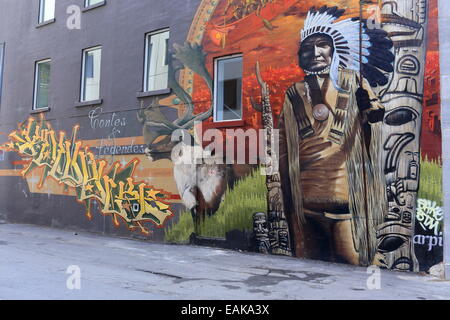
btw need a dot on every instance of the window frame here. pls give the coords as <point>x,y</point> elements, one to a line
<point>41,16</point>
<point>36,84</point>
<point>2,66</point>
<point>215,87</point>
<point>88,6</point>
<point>83,70</point>
<point>148,35</point>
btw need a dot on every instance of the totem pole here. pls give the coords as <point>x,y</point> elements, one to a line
<point>276,229</point>
<point>406,23</point>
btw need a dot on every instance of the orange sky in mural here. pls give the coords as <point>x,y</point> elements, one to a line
<point>275,46</point>
<point>278,47</point>
<point>431,139</point>
<point>433,30</point>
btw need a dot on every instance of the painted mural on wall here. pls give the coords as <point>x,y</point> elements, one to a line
<point>351,94</point>
<point>350,150</point>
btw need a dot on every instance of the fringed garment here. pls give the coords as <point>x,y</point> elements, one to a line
<point>321,163</point>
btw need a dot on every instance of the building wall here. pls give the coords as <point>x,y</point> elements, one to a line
<point>444,14</point>
<point>387,212</point>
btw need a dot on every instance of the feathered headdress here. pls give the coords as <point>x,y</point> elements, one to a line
<point>376,46</point>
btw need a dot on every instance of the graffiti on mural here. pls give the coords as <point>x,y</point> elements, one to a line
<point>429,215</point>
<point>66,161</point>
<point>98,121</point>
<point>114,126</point>
<point>429,241</point>
<point>112,150</point>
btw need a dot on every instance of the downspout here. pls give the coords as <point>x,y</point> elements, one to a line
<point>444,38</point>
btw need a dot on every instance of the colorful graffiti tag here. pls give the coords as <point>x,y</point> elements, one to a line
<point>63,159</point>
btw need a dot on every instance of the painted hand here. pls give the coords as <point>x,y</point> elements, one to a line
<point>363,99</point>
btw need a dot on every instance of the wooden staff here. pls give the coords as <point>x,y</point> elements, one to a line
<point>278,231</point>
<point>363,138</point>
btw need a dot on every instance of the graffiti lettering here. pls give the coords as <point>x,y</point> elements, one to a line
<point>111,122</point>
<point>64,160</point>
<point>120,150</point>
<point>429,215</point>
<point>431,241</point>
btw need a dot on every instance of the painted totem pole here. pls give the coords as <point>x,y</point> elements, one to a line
<point>274,237</point>
<point>406,23</point>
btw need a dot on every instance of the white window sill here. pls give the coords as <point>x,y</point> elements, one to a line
<point>88,103</point>
<point>40,110</point>
<point>153,93</point>
<point>46,23</point>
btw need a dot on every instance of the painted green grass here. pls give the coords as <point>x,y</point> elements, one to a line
<point>180,232</point>
<point>247,197</point>
<point>431,181</point>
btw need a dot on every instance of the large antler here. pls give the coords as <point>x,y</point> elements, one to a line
<point>190,56</point>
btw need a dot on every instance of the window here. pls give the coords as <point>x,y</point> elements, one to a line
<point>2,54</point>
<point>46,10</point>
<point>88,3</point>
<point>90,84</point>
<point>228,88</point>
<point>41,84</point>
<point>156,61</point>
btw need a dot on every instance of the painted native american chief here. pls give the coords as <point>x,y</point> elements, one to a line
<point>330,134</point>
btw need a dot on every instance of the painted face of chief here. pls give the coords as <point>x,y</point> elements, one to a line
<point>316,53</point>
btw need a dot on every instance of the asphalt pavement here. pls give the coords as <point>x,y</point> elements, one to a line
<point>46,263</point>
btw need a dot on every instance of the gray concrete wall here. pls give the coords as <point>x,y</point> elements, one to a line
<point>444,39</point>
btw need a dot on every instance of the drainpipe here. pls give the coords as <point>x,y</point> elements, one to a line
<point>444,47</point>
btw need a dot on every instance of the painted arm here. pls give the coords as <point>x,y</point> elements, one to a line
<point>369,104</point>
<point>283,160</point>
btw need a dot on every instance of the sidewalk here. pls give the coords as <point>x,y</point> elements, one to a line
<point>34,261</point>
